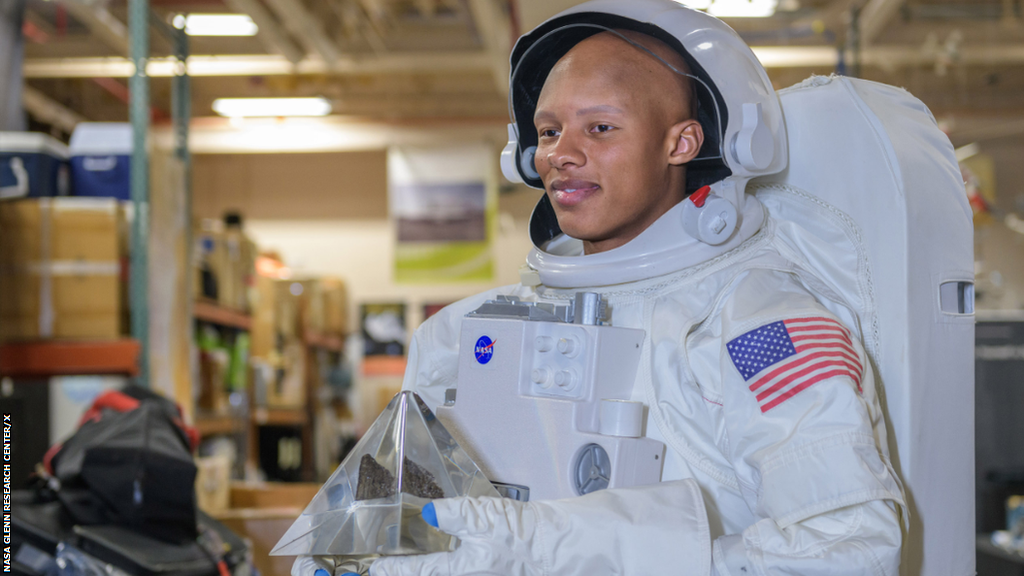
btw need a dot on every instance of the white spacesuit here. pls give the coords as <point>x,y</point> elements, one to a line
<point>777,459</point>
<point>792,481</point>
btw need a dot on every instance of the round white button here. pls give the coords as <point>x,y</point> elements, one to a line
<point>568,346</point>
<point>565,379</point>
<point>543,343</point>
<point>541,376</point>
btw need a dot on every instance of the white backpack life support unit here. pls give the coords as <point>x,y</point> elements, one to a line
<point>873,203</point>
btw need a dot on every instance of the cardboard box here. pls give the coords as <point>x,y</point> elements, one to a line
<point>335,297</point>
<point>226,260</point>
<point>289,387</point>
<point>246,274</point>
<point>227,265</point>
<point>264,316</point>
<point>235,268</point>
<point>213,483</point>
<point>60,268</point>
<point>286,314</point>
<point>311,305</point>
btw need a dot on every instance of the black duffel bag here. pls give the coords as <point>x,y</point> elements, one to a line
<point>129,464</point>
<point>121,490</point>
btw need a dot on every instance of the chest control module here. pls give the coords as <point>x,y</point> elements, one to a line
<point>542,401</point>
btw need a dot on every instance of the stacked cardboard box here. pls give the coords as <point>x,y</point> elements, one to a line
<point>285,314</point>
<point>311,305</point>
<point>264,318</point>
<point>225,266</point>
<point>61,268</point>
<point>335,306</point>
<point>277,348</point>
<point>237,273</point>
<point>286,310</point>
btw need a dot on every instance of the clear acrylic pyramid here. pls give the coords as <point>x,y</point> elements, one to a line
<point>371,505</point>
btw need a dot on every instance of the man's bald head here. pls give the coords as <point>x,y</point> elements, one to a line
<point>636,70</point>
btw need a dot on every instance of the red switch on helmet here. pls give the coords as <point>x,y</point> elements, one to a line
<point>700,196</point>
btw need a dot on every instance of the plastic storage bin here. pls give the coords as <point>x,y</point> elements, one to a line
<point>32,165</point>
<point>101,159</point>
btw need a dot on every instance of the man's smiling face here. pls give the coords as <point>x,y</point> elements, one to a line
<point>614,133</point>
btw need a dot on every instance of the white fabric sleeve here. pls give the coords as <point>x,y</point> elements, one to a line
<point>857,540</point>
<point>802,429</point>
<point>805,437</point>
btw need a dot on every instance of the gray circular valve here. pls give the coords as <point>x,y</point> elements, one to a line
<point>593,469</point>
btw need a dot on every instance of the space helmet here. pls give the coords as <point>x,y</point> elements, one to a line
<point>744,130</point>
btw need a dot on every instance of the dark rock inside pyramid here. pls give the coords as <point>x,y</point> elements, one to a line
<point>418,482</point>
<point>375,481</point>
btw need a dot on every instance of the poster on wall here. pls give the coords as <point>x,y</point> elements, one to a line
<point>383,329</point>
<point>442,203</point>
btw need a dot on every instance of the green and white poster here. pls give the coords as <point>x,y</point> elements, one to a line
<point>442,201</point>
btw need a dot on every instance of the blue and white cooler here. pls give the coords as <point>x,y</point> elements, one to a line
<point>32,165</point>
<point>101,154</point>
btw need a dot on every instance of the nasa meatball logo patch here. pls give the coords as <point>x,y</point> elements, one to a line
<point>484,350</point>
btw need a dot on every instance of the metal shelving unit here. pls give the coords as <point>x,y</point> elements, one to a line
<point>140,18</point>
<point>206,311</point>
<point>45,358</point>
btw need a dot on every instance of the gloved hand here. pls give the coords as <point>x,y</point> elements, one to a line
<point>657,529</point>
<point>312,566</point>
<point>309,566</point>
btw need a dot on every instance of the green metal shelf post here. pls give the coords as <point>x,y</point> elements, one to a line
<point>138,28</point>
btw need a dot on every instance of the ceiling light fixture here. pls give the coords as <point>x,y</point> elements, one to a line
<point>270,107</point>
<point>736,8</point>
<point>216,24</point>
<point>743,8</point>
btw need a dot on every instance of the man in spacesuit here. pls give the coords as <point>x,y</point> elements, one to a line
<point>776,458</point>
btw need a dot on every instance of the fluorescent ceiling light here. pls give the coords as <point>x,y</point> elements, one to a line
<point>216,24</point>
<point>250,107</point>
<point>743,8</point>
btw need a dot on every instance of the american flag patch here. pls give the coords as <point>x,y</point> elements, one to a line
<point>782,358</point>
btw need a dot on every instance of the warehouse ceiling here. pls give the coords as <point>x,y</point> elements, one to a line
<point>446,60</point>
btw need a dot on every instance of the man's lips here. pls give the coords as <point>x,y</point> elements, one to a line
<point>572,192</point>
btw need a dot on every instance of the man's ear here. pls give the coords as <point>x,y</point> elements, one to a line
<point>686,139</point>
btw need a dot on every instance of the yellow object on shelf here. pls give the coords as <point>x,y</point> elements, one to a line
<point>263,340</point>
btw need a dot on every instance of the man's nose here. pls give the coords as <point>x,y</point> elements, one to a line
<point>566,152</point>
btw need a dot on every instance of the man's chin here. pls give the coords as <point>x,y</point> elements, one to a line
<point>586,235</point>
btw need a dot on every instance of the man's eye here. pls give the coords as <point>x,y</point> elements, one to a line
<point>550,133</point>
<point>602,128</point>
